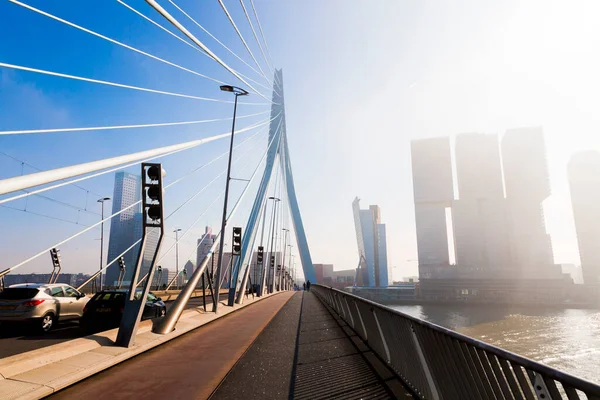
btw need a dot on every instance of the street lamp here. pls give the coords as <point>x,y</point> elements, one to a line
<point>282,273</point>
<point>177,254</point>
<point>101,201</point>
<point>238,92</point>
<point>275,200</point>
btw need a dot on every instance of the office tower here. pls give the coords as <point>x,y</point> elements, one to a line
<point>204,245</point>
<point>433,192</point>
<point>479,214</point>
<point>584,181</point>
<point>371,245</point>
<point>527,186</point>
<point>125,228</point>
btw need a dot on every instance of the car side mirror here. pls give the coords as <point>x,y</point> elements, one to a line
<point>81,295</point>
<point>158,299</point>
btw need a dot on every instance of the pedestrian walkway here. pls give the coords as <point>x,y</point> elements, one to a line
<point>188,367</point>
<point>308,353</point>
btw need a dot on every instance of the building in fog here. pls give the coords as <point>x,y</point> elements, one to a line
<point>433,193</point>
<point>584,181</point>
<point>479,213</point>
<point>125,228</point>
<point>14,279</point>
<point>527,185</point>
<point>371,238</point>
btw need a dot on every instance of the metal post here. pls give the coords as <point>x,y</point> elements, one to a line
<point>177,230</point>
<point>271,252</point>
<point>224,219</point>
<point>153,224</point>
<point>101,201</point>
<point>282,273</point>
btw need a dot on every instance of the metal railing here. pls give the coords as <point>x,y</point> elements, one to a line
<point>438,363</point>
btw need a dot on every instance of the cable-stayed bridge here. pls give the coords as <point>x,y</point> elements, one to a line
<point>232,170</point>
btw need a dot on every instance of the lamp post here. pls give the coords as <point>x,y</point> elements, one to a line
<point>238,92</point>
<point>101,201</point>
<point>275,201</point>
<point>177,254</point>
<point>282,273</point>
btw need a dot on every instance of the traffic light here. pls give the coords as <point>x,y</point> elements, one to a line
<point>272,262</point>
<point>55,256</point>
<point>236,249</point>
<point>153,190</point>
<point>279,267</point>
<point>121,263</point>
<point>259,255</point>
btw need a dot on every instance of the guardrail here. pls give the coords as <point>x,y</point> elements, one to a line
<point>438,363</point>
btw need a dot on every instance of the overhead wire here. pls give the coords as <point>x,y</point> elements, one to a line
<point>42,215</point>
<point>39,169</point>
<point>121,85</point>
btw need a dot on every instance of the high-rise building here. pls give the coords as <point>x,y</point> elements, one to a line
<point>125,228</point>
<point>371,245</point>
<point>204,245</point>
<point>479,214</point>
<point>527,185</point>
<point>584,180</point>
<point>433,192</point>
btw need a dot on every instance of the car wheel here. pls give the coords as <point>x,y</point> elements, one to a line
<point>46,322</point>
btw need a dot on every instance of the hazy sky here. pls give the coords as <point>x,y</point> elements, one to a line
<point>361,80</point>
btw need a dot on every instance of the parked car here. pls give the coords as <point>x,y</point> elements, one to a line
<point>105,309</point>
<point>42,305</point>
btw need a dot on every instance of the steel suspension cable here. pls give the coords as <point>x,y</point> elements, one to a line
<point>241,37</point>
<point>255,36</point>
<point>193,38</point>
<point>111,40</point>
<point>89,228</point>
<point>23,182</point>
<point>121,85</point>
<point>112,127</point>
<point>261,30</point>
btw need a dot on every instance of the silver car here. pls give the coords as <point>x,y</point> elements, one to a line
<point>40,304</point>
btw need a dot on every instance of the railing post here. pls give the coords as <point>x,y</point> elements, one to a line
<point>540,388</point>
<point>428,376</point>
<point>362,323</point>
<point>385,345</point>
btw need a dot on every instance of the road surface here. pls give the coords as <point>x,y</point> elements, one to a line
<point>17,339</point>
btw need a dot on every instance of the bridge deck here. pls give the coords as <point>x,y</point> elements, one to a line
<point>317,357</point>
<point>274,349</point>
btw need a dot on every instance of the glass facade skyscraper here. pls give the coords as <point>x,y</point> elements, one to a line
<point>372,247</point>
<point>125,228</point>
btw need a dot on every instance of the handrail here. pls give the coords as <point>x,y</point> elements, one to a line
<point>450,362</point>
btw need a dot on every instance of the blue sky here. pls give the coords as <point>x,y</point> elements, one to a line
<point>361,80</point>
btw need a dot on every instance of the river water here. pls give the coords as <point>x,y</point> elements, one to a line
<point>564,339</point>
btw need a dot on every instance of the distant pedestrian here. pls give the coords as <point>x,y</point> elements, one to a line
<point>304,286</point>
<point>308,285</point>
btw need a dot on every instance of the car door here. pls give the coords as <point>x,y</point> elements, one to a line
<point>62,302</point>
<point>76,303</point>
<point>149,310</point>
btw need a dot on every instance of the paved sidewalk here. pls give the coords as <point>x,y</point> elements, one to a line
<point>189,367</point>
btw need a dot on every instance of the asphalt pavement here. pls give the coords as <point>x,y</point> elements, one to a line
<point>17,339</point>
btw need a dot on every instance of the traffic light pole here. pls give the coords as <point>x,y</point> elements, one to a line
<point>153,226</point>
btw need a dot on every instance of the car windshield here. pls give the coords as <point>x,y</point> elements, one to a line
<point>18,293</point>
